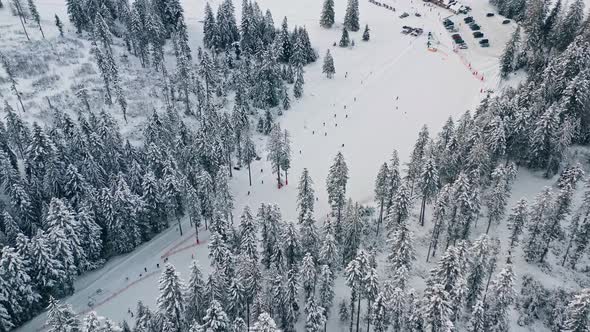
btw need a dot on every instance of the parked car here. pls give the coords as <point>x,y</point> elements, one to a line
<point>484,41</point>
<point>490,14</point>
<point>459,41</point>
<point>404,15</point>
<point>506,22</point>
<point>448,22</point>
<point>452,28</point>
<point>474,27</point>
<point>456,36</point>
<point>477,34</point>
<point>468,19</point>
<point>485,45</point>
<point>463,46</point>
<point>418,15</point>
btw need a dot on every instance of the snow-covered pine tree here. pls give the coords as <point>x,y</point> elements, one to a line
<point>497,197</point>
<point>508,58</point>
<point>436,309</point>
<point>478,268</point>
<point>428,184</point>
<point>344,39</point>
<point>215,320</point>
<point>416,163</point>
<point>248,240</point>
<point>61,317</point>
<point>327,17</point>
<point>501,296</point>
<point>194,295</point>
<point>336,186</point>
<point>265,323</point>
<point>170,301</point>
<point>305,205</point>
<point>328,67</point>
<point>570,24</point>
<point>35,15</point>
<point>298,87</point>
<point>275,148</point>
<point>366,33</point>
<point>209,28</point>
<point>578,312</point>
<point>351,18</point>
<point>17,286</point>
<point>401,250</point>
<point>552,227</point>
<point>382,191</point>
<point>316,319</point>
<point>308,275</point>
<point>285,45</point>
<point>11,77</point>
<point>326,289</point>
<point>517,220</point>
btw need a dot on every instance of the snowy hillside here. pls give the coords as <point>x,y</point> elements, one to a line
<point>382,93</point>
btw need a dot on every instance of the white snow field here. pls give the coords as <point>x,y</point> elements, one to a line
<point>358,112</point>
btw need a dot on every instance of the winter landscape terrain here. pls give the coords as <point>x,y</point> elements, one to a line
<point>407,159</point>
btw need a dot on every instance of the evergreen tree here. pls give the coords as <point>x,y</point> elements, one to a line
<point>170,300</point>
<point>328,67</point>
<point>248,240</point>
<point>427,186</point>
<point>570,25</point>
<point>265,324</point>
<point>77,15</point>
<point>327,17</point>
<point>298,87</point>
<point>437,310</point>
<point>517,221</point>
<point>194,296</point>
<point>336,186</point>
<point>305,202</point>
<point>382,191</point>
<point>215,320</point>
<point>401,252</point>
<point>316,319</point>
<point>17,286</point>
<point>351,19</point>
<point>501,296</point>
<point>344,40</point>
<point>12,79</point>
<point>35,15</point>
<point>61,317</point>
<point>209,28</point>
<point>508,59</point>
<point>366,33</point>
<point>578,312</point>
<point>308,275</point>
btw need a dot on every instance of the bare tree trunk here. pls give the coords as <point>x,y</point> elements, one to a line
<point>249,174</point>
<point>368,315</point>
<point>352,300</point>
<point>22,18</point>
<point>358,314</point>
<point>179,225</point>
<point>380,216</point>
<point>423,211</point>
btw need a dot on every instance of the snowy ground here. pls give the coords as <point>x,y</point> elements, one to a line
<point>362,115</point>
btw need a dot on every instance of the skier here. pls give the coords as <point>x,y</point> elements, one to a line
<point>342,144</point>
<point>397,98</point>
<point>261,170</point>
<point>248,192</point>
<point>324,124</point>
<point>344,106</point>
<point>346,75</point>
<point>158,265</point>
<point>347,116</point>
<point>325,134</point>
<point>354,98</point>
<point>313,132</point>
<point>336,125</point>
<point>334,114</point>
<point>145,269</point>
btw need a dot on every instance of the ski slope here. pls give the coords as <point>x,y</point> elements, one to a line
<point>383,92</point>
